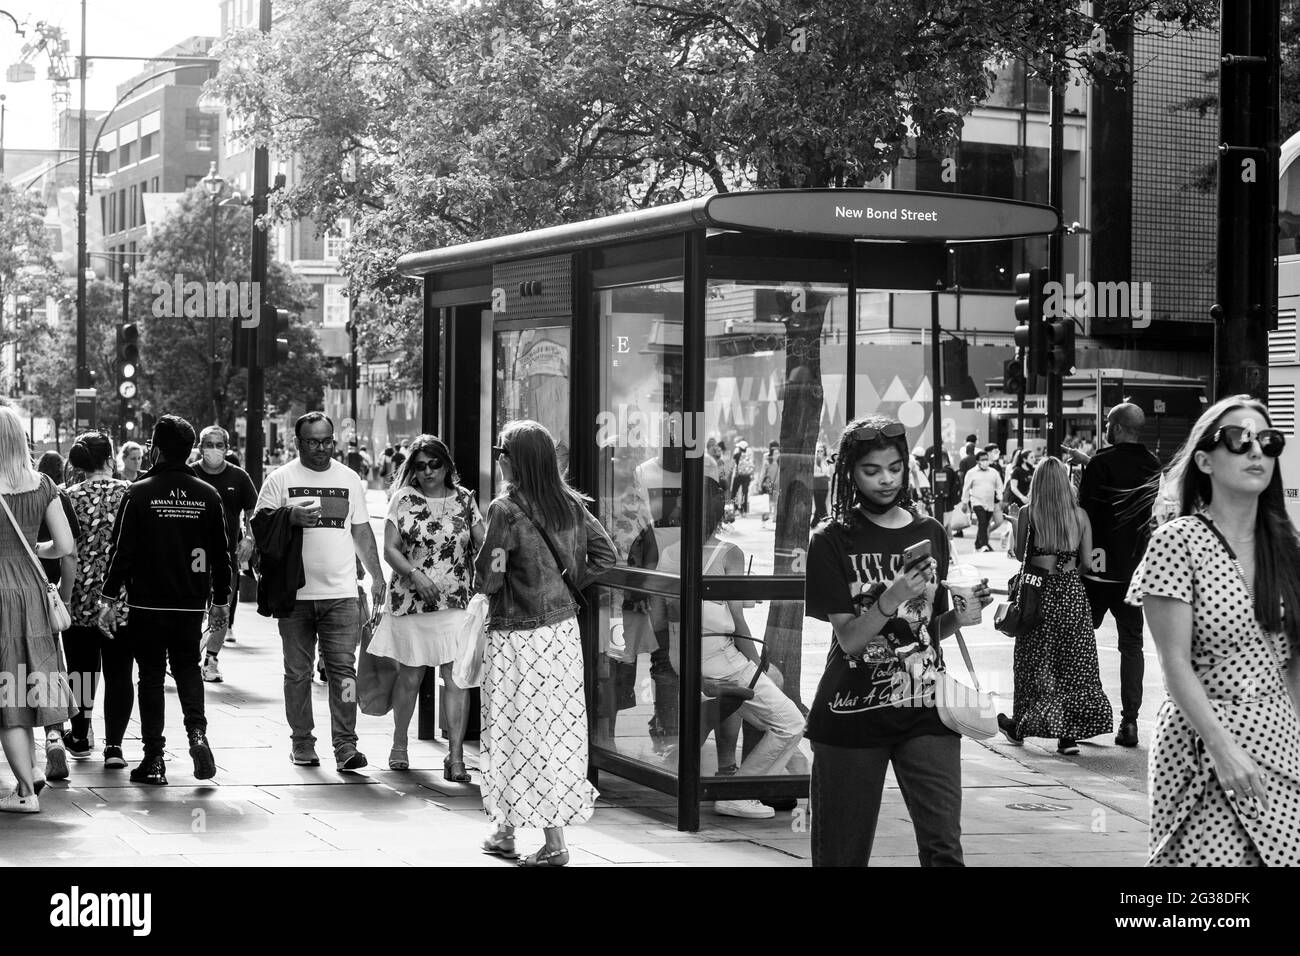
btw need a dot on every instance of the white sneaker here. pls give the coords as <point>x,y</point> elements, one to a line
<point>12,803</point>
<point>749,809</point>
<point>211,670</point>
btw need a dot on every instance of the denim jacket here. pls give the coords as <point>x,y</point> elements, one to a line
<point>515,568</point>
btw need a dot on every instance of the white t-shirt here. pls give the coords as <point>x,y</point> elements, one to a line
<point>329,558</point>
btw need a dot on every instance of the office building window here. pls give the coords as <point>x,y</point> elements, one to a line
<point>337,239</point>
<point>154,185</point>
<point>124,155</point>
<point>134,214</point>
<point>191,182</point>
<point>334,312</point>
<point>148,145</point>
<point>121,209</point>
<point>200,129</point>
<point>108,214</point>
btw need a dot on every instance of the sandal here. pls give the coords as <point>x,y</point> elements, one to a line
<point>546,857</point>
<point>505,847</point>
<point>397,759</point>
<point>454,770</point>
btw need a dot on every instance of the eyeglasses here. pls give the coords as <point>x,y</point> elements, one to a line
<point>318,442</point>
<point>500,451</point>
<point>434,465</point>
<point>1238,439</point>
<point>871,433</point>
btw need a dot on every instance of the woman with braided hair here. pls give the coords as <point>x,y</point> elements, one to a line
<point>871,708</point>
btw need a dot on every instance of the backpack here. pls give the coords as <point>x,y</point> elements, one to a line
<point>746,464</point>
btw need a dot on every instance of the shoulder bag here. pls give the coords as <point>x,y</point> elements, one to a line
<point>1025,612</point>
<point>968,711</point>
<point>60,618</point>
<point>564,571</point>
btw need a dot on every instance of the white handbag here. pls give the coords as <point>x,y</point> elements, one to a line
<point>60,618</point>
<point>965,710</point>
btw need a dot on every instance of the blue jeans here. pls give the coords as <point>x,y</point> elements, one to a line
<point>847,783</point>
<point>336,625</point>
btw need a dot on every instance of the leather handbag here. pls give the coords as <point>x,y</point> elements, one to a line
<point>1025,611</point>
<point>59,616</point>
<point>965,710</point>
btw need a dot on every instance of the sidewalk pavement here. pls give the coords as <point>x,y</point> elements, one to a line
<point>1022,806</point>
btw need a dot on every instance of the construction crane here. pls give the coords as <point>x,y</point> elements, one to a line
<point>53,42</point>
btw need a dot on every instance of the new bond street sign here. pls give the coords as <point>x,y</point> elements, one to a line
<point>880,214</point>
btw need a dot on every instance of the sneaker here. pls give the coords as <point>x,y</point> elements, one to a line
<point>80,748</point>
<point>1008,728</point>
<point>1067,747</point>
<point>12,803</point>
<point>749,809</point>
<point>211,669</point>
<point>56,758</point>
<point>304,755</point>
<point>1127,736</point>
<point>230,636</point>
<point>151,770</point>
<point>205,768</point>
<point>351,759</point>
<point>113,759</point>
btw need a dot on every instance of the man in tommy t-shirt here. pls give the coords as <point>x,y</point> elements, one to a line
<point>328,501</point>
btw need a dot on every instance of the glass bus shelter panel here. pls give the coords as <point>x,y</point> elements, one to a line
<point>637,686</point>
<point>532,368</point>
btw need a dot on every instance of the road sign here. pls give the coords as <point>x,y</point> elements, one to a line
<point>127,390</point>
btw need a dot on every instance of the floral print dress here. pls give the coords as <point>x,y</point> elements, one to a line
<point>436,539</point>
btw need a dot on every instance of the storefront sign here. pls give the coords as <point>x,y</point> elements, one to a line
<point>880,214</point>
<point>1034,404</point>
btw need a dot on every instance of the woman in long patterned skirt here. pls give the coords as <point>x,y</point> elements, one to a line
<point>1058,689</point>
<point>29,648</point>
<point>540,546</point>
<point>1220,585</point>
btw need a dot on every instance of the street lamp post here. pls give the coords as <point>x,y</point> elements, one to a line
<point>213,184</point>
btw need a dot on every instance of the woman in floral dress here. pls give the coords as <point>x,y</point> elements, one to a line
<point>1220,585</point>
<point>432,533</point>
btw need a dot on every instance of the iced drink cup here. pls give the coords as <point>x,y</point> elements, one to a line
<point>962,583</point>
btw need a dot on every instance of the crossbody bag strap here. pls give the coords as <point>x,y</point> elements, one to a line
<point>23,538</point>
<point>965,656</point>
<point>564,571</point>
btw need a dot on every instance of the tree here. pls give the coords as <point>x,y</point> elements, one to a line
<point>174,344</point>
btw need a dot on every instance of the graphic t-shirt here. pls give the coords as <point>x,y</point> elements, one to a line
<point>237,496</point>
<point>880,696</point>
<point>329,558</point>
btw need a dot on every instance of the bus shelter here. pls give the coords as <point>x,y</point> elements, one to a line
<point>710,344</point>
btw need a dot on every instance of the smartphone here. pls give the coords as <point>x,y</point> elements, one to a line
<point>914,555</point>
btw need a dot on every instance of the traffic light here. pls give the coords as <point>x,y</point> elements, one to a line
<point>128,360</point>
<point>1013,377</point>
<point>272,336</point>
<point>242,342</point>
<point>1031,335</point>
<point>1060,341</point>
<point>957,383</point>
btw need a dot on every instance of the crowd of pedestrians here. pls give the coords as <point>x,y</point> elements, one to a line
<point>142,562</point>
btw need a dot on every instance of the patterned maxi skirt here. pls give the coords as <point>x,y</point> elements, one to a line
<point>534,746</point>
<point>1058,684</point>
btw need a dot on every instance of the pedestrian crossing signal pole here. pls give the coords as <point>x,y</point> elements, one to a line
<point>255,443</point>
<point>1056,261</point>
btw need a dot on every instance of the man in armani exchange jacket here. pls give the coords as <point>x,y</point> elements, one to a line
<point>171,556</point>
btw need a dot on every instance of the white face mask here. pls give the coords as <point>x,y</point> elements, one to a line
<point>212,457</point>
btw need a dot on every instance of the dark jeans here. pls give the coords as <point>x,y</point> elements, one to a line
<point>1106,596</point>
<point>982,517</point>
<point>157,639</point>
<point>336,624</point>
<point>88,651</point>
<point>740,492</point>
<point>847,783</point>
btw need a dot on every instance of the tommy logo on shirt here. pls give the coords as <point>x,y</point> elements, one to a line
<point>333,504</point>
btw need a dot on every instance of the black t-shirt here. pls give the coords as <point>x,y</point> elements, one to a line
<point>237,496</point>
<point>877,698</point>
<point>53,568</point>
<point>1117,491</point>
<point>1021,477</point>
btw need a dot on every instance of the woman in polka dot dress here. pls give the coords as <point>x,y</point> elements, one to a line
<point>1058,689</point>
<point>1219,585</point>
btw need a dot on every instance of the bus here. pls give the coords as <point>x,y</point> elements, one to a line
<point>1283,354</point>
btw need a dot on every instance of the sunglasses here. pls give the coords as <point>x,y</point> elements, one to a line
<point>433,465</point>
<point>1238,440</point>
<point>871,433</point>
<point>500,451</point>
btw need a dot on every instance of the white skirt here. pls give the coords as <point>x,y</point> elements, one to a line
<point>419,640</point>
<point>534,740</point>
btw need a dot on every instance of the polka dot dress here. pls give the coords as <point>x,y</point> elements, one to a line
<point>1193,822</point>
<point>1058,689</point>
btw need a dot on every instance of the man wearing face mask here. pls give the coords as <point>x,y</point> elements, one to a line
<point>1117,491</point>
<point>237,495</point>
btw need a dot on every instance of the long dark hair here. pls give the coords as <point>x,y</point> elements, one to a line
<point>535,475</point>
<point>433,447</point>
<point>844,490</point>
<point>1277,545</point>
<point>92,451</point>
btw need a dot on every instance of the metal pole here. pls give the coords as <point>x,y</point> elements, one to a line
<point>83,371</point>
<point>212,322</point>
<point>936,406</point>
<point>126,317</point>
<point>255,441</point>
<point>1056,256</point>
<point>1020,400</point>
